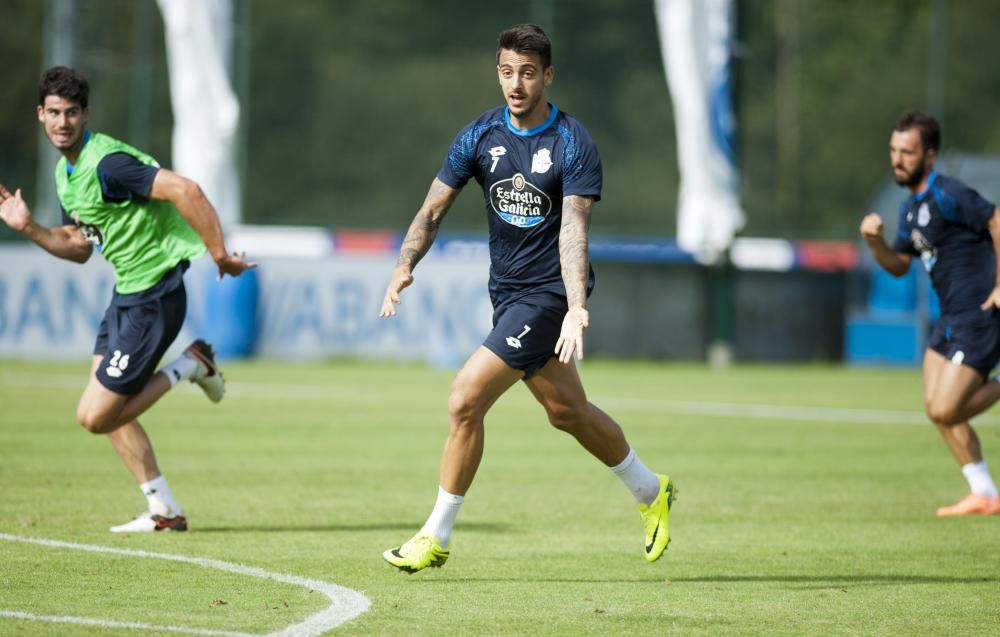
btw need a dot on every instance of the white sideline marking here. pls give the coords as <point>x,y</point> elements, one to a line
<point>345,604</point>
<point>784,412</point>
<point>680,407</point>
<point>87,621</point>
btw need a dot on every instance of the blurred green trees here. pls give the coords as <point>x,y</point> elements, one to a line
<point>350,106</point>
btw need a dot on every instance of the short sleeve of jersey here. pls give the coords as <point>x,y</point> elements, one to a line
<point>123,177</point>
<point>582,171</point>
<point>460,163</point>
<point>901,242</point>
<point>962,204</point>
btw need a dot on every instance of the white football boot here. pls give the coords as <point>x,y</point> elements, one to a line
<point>151,522</point>
<point>208,376</point>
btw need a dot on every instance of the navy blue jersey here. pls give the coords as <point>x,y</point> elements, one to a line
<point>123,178</point>
<point>945,225</point>
<point>524,176</point>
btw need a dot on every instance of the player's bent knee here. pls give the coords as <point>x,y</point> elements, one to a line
<point>944,415</point>
<point>463,406</point>
<point>565,417</point>
<point>92,422</point>
<point>93,425</point>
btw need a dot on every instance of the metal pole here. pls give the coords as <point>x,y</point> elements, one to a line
<point>721,284</point>
<point>140,80</point>
<point>244,48</point>
<point>59,35</point>
<point>937,59</point>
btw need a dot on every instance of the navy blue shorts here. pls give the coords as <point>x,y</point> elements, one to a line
<point>972,340</point>
<point>134,336</point>
<point>525,332</point>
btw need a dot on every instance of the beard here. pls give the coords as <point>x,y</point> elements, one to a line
<point>527,107</point>
<point>913,178</point>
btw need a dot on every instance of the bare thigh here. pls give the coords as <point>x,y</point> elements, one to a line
<point>98,404</point>
<point>947,387</point>
<point>558,388</point>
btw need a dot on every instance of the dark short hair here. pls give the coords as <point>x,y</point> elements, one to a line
<point>526,38</point>
<point>926,125</point>
<point>65,83</point>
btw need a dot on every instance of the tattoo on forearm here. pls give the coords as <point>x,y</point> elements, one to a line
<point>574,254</point>
<point>425,225</point>
<point>418,239</point>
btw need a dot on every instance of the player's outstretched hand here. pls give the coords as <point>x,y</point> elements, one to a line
<point>13,210</point>
<point>400,279</point>
<point>233,264</point>
<point>571,337</point>
<point>993,300</point>
<point>871,227</point>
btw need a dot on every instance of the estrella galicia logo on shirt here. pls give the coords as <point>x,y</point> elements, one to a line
<point>928,253</point>
<point>518,202</point>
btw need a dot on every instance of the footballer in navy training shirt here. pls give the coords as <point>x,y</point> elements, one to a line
<point>955,233</point>
<point>946,226</point>
<point>541,175</point>
<point>524,175</point>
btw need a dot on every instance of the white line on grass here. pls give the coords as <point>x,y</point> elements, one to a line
<point>782,412</point>
<point>104,623</point>
<point>679,407</point>
<point>345,604</point>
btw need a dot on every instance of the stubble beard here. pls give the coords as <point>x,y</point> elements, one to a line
<point>527,109</point>
<point>914,178</point>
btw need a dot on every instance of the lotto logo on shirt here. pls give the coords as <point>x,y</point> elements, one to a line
<point>518,202</point>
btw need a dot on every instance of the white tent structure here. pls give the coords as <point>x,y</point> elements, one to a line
<point>199,37</point>
<point>696,43</point>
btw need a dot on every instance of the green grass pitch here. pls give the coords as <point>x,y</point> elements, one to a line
<point>806,507</point>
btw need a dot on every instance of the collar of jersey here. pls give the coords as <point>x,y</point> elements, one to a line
<point>930,183</point>
<point>531,131</point>
<point>86,138</point>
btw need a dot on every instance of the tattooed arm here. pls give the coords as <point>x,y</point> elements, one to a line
<point>418,241</point>
<point>574,257</point>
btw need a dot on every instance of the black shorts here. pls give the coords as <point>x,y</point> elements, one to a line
<point>972,340</point>
<point>133,338</point>
<point>525,332</point>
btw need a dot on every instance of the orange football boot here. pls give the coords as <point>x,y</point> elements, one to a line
<point>972,504</point>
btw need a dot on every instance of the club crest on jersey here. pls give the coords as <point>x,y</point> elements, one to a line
<point>518,202</point>
<point>541,161</point>
<point>923,215</point>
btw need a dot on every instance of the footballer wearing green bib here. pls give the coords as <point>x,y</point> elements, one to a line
<point>149,223</point>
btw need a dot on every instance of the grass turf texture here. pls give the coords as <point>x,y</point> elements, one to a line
<point>784,525</point>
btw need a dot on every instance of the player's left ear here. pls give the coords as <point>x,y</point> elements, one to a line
<point>548,74</point>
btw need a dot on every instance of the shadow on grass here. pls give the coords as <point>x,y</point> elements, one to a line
<point>806,581</point>
<point>835,580</point>
<point>406,527</point>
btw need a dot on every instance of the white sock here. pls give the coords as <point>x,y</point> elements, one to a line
<point>442,518</point>
<point>980,481</point>
<point>181,368</point>
<point>161,500</point>
<point>643,483</point>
